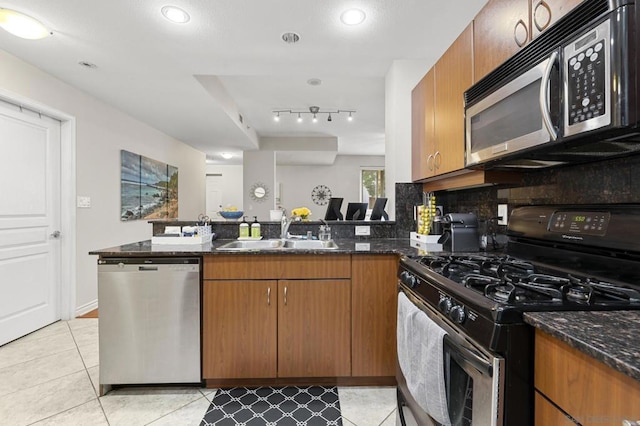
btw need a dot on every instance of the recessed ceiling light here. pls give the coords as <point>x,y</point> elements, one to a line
<point>22,25</point>
<point>226,155</point>
<point>290,38</point>
<point>314,82</point>
<point>175,14</point>
<point>352,17</point>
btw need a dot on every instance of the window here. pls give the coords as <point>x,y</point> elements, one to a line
<point>371,185</point>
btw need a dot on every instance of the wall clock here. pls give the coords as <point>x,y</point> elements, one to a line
<point>259,192</point>
<point>320,195</point>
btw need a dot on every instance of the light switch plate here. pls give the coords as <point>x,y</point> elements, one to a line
<point>83,202</point>
<point>363,230</point>
<point>363,246</point>
<point>503,212</point>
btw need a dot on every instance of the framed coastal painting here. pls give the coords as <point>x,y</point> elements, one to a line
<point>148,188</point>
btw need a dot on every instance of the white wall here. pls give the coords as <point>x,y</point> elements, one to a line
<point>259,167</point>
<point>101,132</point>
<point>400,80</point>
<point>230,185</point>
<point>342,178</point>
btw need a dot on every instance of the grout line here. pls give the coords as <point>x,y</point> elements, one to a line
<point>390,414</point>
<point>64,411</point>
<point>180,408</point>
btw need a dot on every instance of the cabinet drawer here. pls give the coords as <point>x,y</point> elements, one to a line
<point>585,388</point>
<point>315,266</point>
<point>240,267</point>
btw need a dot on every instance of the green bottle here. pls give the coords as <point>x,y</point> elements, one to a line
<point>244,228</point>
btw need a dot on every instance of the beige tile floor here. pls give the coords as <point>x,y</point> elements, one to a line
<point>50,377</point>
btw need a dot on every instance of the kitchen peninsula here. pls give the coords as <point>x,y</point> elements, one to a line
<point>291,316</point>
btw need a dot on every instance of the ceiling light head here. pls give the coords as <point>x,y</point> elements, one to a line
<point>22,25</point>
<point>226,155</point>
<point>314,109</point>
<point>350,117</point>
<point>277,116</point>
<point>290,38</point>
<point>329,118</point>
<point>353,17</point>
<point>315,119</point>
<point>175,14</point>
<point>299,118</point>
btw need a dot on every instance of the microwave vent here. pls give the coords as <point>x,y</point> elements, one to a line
<point>536,51</point>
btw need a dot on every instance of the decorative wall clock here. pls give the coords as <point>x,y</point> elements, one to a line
<point>320,195</point>
<point>259,192</point>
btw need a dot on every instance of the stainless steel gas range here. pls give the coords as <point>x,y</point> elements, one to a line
<point>557,258</point>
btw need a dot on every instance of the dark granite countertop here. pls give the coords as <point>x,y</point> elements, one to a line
<point>346,246</point>
<point>612,337</point>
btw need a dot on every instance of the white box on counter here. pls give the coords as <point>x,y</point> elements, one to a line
<point>424,239</point>
<point>425,246</point>
<point>178,240</point>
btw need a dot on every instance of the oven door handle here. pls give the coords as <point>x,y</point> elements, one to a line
<point>464,355</point>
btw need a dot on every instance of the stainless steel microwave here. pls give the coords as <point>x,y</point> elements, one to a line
<point>570,96</point>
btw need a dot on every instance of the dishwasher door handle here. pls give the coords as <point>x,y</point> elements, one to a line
<point>147,268</point>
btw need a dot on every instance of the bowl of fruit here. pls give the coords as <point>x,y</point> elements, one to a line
<point>230,213</point>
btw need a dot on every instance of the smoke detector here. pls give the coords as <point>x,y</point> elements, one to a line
<point>290,38</point>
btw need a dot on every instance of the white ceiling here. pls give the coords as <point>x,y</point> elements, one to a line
<point>192,80</point>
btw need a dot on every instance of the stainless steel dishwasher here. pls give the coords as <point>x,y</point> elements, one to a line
<point>149,321</point>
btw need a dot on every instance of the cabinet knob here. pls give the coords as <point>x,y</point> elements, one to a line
<point>522,40</point>
<point>535,15</point>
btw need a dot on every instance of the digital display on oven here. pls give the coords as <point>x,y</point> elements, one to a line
<point>582,223</point>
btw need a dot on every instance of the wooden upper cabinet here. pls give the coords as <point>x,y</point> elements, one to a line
<point>544,13</point>
<point>422,127</point>
<point>500,29</point>
<point>505,26</point>
<point>453,75</point>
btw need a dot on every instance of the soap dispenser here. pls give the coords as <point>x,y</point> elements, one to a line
<point>244,228</point>
<point>255,228</point>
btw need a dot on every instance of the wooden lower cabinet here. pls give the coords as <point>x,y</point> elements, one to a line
<point>374,295</point>
<point>589,391</point>
<point>548,414</point>
<point>314,335</point>
<point>239,328</point>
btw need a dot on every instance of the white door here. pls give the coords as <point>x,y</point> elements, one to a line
<point>29,222</point>
<point>214,195</point>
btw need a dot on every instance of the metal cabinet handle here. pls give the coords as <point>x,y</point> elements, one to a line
<point>269,296</point>
<point>285,295</point>
<point>430,157</point>
<point>437,163</point>
<point>630,422</point>
<point>535,11</point>
<point>515,33</point>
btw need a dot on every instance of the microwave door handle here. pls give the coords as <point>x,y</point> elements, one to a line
<point>544,101</point>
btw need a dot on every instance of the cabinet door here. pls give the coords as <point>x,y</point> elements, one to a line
<point>549,414</point>
<point>374,298</point>
<point>422,127</point>
<point>239,332</point>
<point>544,13</point>
<point>314,334</point>
<point>500,29</point>
<point>453,75</point>
<point>585,388</point>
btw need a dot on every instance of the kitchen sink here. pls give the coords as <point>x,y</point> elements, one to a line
<point>252,245</point>
<point>278,244</point>
<point>310,244</point>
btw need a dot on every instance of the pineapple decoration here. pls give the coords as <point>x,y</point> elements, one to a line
<point>426,213</point>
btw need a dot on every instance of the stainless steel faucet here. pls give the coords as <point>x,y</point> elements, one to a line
<point>284,225</point>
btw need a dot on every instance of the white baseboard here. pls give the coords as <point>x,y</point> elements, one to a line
<point>87,307</point>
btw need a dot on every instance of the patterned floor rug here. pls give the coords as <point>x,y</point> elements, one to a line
<point>268,406</point>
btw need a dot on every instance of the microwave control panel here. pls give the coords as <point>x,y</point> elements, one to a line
<point>587,81</point>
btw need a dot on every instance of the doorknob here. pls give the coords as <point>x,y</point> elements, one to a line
<point>55,234</point>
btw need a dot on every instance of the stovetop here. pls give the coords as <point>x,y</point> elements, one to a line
<point>521,283</point>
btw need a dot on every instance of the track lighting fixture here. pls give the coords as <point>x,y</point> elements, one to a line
<point>314,111</point>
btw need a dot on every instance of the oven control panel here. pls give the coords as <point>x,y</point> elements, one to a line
<point>580,222</point>
<point>457,313</point>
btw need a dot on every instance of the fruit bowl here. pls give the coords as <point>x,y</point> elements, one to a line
<point>234,215</point>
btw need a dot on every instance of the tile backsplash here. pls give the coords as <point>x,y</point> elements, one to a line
<point>604,182</point>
